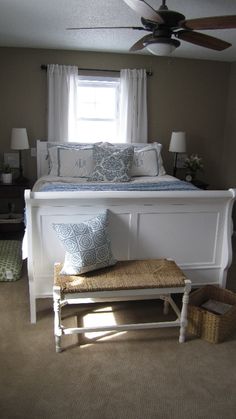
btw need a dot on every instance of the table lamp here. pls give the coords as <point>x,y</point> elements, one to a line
<point>177,145</point>
<point>19,141</point>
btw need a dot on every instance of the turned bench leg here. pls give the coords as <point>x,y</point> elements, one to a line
<point>166,306</point>
<point>184,311</point>
<point>57,317</point>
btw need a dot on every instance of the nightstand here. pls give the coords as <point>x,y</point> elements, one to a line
<point>12,208</point>
<point>200,184</point>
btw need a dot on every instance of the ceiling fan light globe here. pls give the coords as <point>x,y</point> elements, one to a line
<point>163,47</point>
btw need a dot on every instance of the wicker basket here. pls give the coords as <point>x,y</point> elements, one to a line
<point>211,327</point>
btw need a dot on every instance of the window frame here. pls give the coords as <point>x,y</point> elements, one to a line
<point>99,82</point>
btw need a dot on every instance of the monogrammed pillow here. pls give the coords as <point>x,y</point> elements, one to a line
<point>70,159</point>
<point>145,162</point>
<point>75,162</point>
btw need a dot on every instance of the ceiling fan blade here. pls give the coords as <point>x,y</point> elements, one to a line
<point>214,22</point>
<point>140,43</point>
<point>140,28</point>
<point>202,40</point>
<point>143,9</point>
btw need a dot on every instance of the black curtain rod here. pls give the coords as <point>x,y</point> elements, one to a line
<point>149,72</point>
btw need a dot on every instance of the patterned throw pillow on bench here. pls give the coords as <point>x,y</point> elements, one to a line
<point>87,245</point>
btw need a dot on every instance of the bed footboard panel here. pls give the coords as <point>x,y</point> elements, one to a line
<point>194,228</point>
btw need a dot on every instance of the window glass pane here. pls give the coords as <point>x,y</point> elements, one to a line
<point>97,131</point>
<point>96,102</point>
<point>97,109</point>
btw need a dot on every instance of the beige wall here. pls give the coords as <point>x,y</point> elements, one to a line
<point>229,151</point>
<point>189,95</point>
<point>228,163</point>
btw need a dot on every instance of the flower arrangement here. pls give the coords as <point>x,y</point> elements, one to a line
<point>193,163</point>
<point>6,168</point>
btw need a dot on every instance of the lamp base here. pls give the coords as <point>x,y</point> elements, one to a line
<point>21,180</point>
<point>175,164</point>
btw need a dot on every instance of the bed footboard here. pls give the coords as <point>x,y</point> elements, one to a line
<point>194,228</point>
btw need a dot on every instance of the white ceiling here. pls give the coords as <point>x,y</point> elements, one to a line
<point>43,23</point>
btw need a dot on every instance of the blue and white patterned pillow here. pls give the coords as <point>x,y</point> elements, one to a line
<point>87,245</point>
<point>112,164</point>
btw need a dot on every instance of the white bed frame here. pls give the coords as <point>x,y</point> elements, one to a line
<point>192,227</point>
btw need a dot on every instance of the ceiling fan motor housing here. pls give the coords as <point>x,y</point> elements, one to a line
<point>171,18</point>
<point>162,32</point>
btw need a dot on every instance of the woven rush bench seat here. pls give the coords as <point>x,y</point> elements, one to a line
<point>126,280</point>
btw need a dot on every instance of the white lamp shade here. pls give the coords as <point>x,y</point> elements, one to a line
<point>19,139</point>
<point>178,142</point>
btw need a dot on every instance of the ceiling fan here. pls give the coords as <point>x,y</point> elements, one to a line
<point>168,27</point>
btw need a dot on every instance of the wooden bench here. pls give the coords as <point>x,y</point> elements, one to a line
<point>127,280</point>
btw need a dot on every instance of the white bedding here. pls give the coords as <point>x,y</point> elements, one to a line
<point>135,180</point>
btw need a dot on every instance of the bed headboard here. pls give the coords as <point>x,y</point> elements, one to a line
<point>43,160</point>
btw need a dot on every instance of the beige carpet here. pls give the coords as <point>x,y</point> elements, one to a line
<point>134,375</point>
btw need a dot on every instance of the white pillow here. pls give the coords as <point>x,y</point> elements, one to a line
<point>158,147</point>
<point>145,162</point>
<point>53,161</point>
<point>71,161</point>
<point>75,163</point>
<point>54,149</point>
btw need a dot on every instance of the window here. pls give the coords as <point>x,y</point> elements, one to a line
<point>97,109</point>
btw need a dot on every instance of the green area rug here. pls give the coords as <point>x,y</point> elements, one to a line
<point>10,260</point>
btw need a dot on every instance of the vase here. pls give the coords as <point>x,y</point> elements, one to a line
<point>6,177</point>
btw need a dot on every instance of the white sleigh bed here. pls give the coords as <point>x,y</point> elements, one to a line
<point>192,227</point>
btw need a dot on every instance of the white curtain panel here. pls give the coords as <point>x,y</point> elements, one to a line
<point>133,106</point>
<point>61,90</point>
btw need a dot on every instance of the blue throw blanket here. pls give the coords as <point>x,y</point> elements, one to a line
<point>125,186</point>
